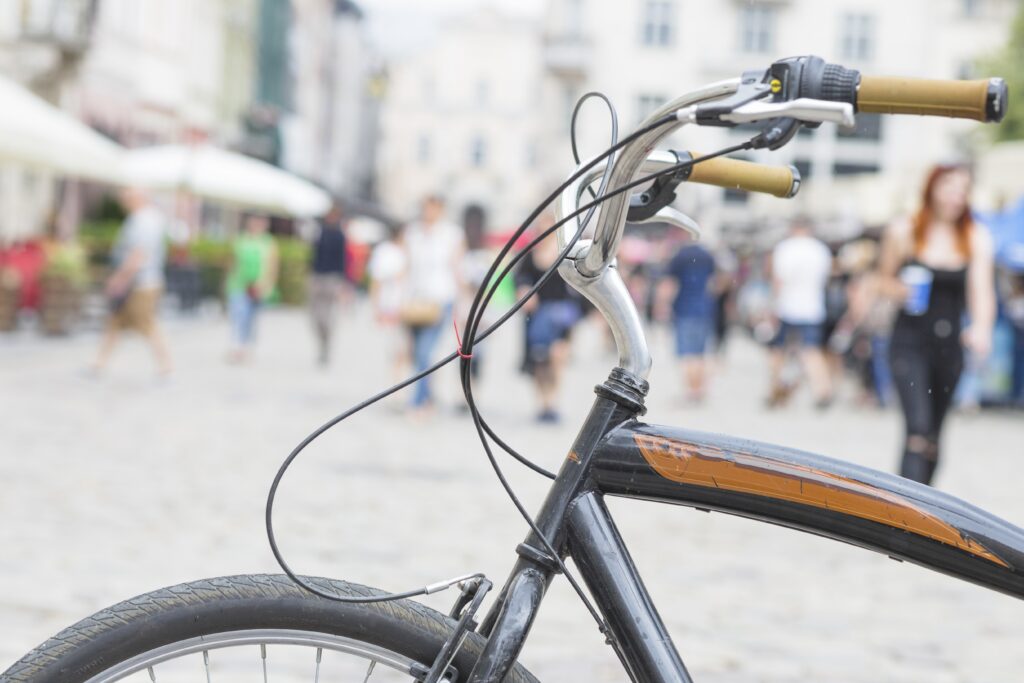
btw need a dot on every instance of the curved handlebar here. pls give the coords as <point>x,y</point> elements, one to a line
<point>612,217</point>
<point>810,91</point>
<point>780,181</point>
<point>980,100</point>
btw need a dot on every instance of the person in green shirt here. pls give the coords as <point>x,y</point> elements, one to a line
<point>250,281</point>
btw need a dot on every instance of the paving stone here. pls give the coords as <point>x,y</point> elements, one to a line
<point>117,486</point>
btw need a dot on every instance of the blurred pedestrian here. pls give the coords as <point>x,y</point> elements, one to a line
<point>475,264</point>
<point>937,265</point>
<point>836,305</point>
<point>133,290</point>
<point>551,315</point>
<point>250,282</point>
<point>724,291</point>
<point>1014,307</point>
<point>864,329</point>
<point>686,295</point>
<point>433,252</point>
<point>386,270</point>
<point>800,268</point>
<point>328,280</point>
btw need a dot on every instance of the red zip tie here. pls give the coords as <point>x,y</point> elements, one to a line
<point>458,349</point>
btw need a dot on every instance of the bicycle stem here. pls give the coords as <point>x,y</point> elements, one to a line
<point>590,268</point>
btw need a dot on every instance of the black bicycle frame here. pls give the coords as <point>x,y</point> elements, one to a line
<point>615,454</point>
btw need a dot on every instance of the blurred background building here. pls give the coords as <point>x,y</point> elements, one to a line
<point>463,118</point>
<point>476,102</point>
<point>293,102</point>
<point>644,53</point>
<point>286,82</point>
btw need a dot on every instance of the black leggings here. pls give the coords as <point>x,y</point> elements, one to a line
<point>925,372</point>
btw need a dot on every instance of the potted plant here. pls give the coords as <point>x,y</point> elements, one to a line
<point>10,295</point>
<point>62,282</point>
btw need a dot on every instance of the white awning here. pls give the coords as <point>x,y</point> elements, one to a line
<point>224,177</point>
<point>35,133</point>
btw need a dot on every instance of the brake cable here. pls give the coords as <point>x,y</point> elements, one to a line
<point>312,436</point>
<point>480,301</point>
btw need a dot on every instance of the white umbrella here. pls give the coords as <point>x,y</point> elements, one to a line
<point>35,133</point>
<point>224,177</point>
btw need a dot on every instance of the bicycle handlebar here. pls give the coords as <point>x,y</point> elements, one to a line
<point>981,100</point>
<point>780,181</point>
<point>793,91</point>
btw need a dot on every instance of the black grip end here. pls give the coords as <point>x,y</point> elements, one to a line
<point>996,100</point>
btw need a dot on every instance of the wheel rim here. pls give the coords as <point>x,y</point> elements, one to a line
<point>151,661</point>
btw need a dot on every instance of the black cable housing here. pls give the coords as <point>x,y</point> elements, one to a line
<point>482,298</point>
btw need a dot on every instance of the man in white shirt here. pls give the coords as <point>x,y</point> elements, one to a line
<point>800,267</point>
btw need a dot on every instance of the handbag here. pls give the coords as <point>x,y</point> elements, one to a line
<point>420,313</point>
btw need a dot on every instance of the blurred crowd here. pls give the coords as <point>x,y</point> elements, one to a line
<point>919,314</point>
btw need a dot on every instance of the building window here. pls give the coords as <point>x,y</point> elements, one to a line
<point>568,105</point>
<point>971,8</point>
<point>483,92</point>
<point>646,103</point>
<point>858,37</point>
<point>28,182</point>
<point>657,27</point>
<point>869,127</point>
<point>757,28</point>
<point>574,19</point>
<point>803,167</point>
<point>478,152</point>
<point>853,168</point>
<point>423,148</point>
<point>531,154</point>
<point>733,196</point>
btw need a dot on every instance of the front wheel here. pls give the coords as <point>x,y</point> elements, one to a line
<point>249,628</point>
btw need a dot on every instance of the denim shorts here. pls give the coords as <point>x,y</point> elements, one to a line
<point>692,335</point>
<point>551,322</point>
<point>802,334</point>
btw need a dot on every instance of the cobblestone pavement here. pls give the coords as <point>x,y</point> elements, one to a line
<point>120,485</point>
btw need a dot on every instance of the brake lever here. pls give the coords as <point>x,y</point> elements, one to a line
<point>677,218</point>
<point>802,109</point>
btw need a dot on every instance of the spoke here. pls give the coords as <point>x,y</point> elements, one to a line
<point>152,674</point>
<point>206,664</point>
<point>319,655</point>
<point>369,671</point>
<point>263,655</point>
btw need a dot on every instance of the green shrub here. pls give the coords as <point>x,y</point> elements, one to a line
<point>294,270</point>
<point>97,238</point>
<point>213,257</point>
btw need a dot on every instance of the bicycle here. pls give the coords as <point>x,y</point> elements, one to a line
<point>614,454</point>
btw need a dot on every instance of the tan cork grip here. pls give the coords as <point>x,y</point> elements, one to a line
<point>893,95</point>
<point>781,181</point>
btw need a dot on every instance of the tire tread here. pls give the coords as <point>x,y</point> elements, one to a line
<point>39,663</point>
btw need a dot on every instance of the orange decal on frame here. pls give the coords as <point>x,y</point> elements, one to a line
<point>688,463</point>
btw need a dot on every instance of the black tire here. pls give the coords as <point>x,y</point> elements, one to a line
<point>239,603</point>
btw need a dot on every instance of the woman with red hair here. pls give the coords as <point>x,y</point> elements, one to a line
<point>938,264</point>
